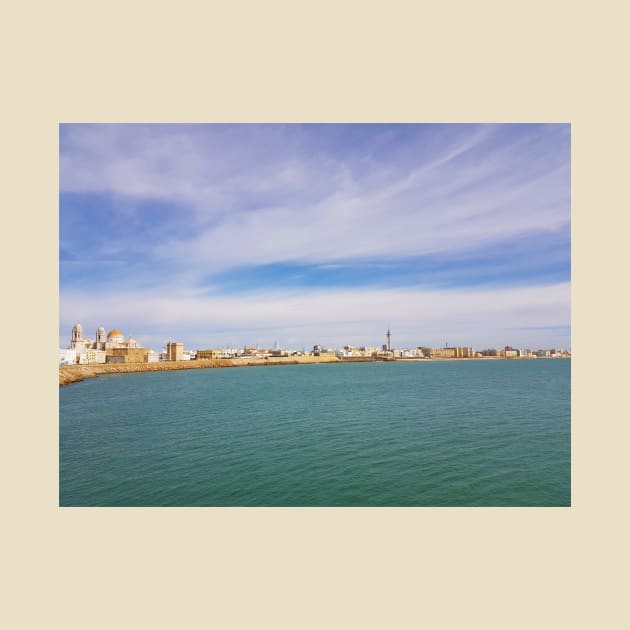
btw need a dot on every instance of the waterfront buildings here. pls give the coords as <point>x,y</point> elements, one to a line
<point>113,339</point>
<point>113,347</point>
<point>454,352</point>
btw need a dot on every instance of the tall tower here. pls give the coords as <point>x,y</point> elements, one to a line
<point>77,341</point>
<point>100,339</point>
<point>389,340</point>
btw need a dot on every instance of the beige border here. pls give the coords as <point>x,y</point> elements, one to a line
<point>243,568</point>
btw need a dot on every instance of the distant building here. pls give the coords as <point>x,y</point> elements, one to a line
<point>128,355</point>
<point>175,351</point>
<point>114,339</point>
<point>67,356</point>
<point>278,352</point>
<point>205,355</point>
<point>411,353</point>
<point>464,352</point>
<point>90,355</point>
<point>77,340</point>
<point>319,350</point>
<point>444,353</point>
<point>454,352</point>
<point>369,351</point>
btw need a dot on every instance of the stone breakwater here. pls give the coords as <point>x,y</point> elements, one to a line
<point>74,373</point>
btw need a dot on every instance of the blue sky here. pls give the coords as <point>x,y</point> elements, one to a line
<point>320,233</point>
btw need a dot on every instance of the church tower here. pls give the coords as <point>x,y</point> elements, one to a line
<point>100,339</point>
<point>77,340</point>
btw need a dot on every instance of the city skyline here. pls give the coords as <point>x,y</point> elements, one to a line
<point>305,234</point>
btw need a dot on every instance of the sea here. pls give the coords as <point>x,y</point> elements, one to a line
<point>422,434</point>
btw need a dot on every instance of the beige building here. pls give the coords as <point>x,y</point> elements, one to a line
<point>175,351</point>
<point>208,354</point>
<point>128,355</point>
<point>444,353</point>
<point>464,352</point>
<point>456,352</point>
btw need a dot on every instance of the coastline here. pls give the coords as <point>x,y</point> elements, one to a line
<point>75,373</point>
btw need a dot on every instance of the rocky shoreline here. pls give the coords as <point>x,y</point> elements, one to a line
<point>75,373</point>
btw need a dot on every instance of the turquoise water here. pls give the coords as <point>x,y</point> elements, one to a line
<point>452,433</point>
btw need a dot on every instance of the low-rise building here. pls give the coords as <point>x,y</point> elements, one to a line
<point>91,355</point>
<point>67,356</point>
<point>445,353</point>
<point>129,355</point>
<point>205,355</point>
<point>369,351</point>
<point>411,353</point>
<point>277,352</point>
<point>489,352</point>
<point>454,352</point>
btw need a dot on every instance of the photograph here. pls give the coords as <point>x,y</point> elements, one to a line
<point>315,315</point>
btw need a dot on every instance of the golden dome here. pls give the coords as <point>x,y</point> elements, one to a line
<point>114,333</point>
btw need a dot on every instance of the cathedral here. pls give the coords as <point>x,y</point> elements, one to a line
<point>114,339</point>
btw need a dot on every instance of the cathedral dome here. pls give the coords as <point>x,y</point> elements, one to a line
<point>114,333</point>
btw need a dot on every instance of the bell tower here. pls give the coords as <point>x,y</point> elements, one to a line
<point>100,339</point>
<point>77,340</point>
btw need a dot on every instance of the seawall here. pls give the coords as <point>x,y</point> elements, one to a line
<point>74,373</point>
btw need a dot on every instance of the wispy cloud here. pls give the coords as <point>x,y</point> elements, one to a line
<point>498,316</point>
<point>218,210</point>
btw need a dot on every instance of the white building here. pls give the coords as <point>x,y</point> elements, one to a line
<point>411,353</point>
<point>67,356</point>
